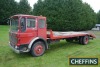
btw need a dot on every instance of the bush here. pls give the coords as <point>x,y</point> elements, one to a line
<point>65,15</point>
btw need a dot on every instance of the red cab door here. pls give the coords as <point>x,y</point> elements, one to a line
<point>42,31</point>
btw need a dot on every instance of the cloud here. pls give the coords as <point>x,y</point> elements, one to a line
<point>31,2</point>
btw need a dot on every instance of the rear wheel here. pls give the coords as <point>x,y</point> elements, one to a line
<point>80,40</point>
<point>38,49</point>
<point>84,40</point>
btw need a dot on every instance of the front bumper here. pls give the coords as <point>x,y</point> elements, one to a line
<point>18,49</point>
<point>14,49</point>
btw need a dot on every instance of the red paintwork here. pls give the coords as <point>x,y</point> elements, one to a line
<point>27,36</point>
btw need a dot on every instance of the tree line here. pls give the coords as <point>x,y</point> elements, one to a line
<point>11,7</point>
<point>62,15</point>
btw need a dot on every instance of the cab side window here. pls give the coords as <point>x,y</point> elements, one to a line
<point>41,23</point>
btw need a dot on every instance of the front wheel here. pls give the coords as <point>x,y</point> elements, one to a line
<point>38,49</point>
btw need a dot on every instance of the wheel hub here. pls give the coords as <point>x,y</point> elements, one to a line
<point>86,40</point>
<point>38,49</point>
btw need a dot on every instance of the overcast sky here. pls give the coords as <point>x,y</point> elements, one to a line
<point>95,4</point>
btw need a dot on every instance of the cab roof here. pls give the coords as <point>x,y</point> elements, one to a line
<point>24,15</point>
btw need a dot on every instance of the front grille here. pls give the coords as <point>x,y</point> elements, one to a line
<point>13,45</point>
<point>13,39</point>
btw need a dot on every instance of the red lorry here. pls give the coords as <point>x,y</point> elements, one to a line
<point>29,33</point>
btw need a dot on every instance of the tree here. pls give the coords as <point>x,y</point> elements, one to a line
<point>66,14</point>
<point>7,8</point>
<point>98,17</point>
<point>24,7</point>
<point>11,7</point>
<point>89,16</point>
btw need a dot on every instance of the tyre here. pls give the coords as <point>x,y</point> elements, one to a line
<point>38,49</point>
<point>84,40</point>
<point>80,40</point>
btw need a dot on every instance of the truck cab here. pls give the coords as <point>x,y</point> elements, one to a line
<point>26,30</point>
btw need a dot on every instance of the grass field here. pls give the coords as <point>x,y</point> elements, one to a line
<point>56,56</point>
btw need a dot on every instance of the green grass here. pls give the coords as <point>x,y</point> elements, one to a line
<point>56,56</point>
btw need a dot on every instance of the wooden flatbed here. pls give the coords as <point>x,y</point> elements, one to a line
<point>64,35</point>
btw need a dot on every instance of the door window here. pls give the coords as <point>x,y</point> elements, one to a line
<point>30,23</point>
<point>23,24</point>
<point>41,23</point>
